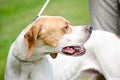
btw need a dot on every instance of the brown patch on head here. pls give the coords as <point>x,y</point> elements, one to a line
<point>53,29</point>
<point>46,31</point>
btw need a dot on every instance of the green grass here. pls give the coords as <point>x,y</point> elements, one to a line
<point>17,14</point>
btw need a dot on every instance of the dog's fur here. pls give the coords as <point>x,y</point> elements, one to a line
<point>27,58</point>
<point>102,55</point>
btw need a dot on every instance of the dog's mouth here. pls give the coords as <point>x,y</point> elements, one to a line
<point>74,50</point>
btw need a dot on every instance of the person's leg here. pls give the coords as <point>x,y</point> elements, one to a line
<point>119,20</point>
<point>105,15</point>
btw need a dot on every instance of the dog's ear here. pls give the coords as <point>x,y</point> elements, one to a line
<point>30,40</point>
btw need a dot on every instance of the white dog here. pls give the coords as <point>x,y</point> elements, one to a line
<point>27,58</point>
<point>102,55</point>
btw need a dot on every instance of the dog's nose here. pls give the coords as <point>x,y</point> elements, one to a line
<point>88,28</point>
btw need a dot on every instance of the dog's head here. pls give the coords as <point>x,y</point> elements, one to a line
<point>48,31</point>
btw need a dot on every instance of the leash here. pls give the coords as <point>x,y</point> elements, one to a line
<point>42,9</point>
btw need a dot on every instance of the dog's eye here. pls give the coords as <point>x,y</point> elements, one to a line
<point>66,27</point>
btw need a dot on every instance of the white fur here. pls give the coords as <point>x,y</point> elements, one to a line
<point>38,67</point>
<point>103,54</point>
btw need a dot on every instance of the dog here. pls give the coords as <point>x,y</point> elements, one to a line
<point>100,62</point>
<point>27,58</point>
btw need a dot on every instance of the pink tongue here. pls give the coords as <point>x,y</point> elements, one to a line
<point>69,50</point>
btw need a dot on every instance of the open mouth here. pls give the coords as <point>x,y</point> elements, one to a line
<point>74,50</point>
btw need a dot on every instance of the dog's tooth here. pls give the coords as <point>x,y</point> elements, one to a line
<point>68,48</point>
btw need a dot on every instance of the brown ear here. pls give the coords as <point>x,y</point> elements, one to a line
<point>30,40</point>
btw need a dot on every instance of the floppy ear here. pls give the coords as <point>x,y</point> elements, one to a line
<point>30,40</point>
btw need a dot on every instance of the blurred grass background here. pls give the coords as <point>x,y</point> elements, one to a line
<point>17,14</point>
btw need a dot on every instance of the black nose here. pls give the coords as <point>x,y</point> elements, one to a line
<point>88,28</point>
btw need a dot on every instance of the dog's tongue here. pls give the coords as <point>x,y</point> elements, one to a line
<point>53,55</point>
<point>69,50</point>
<point>74,50</point>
